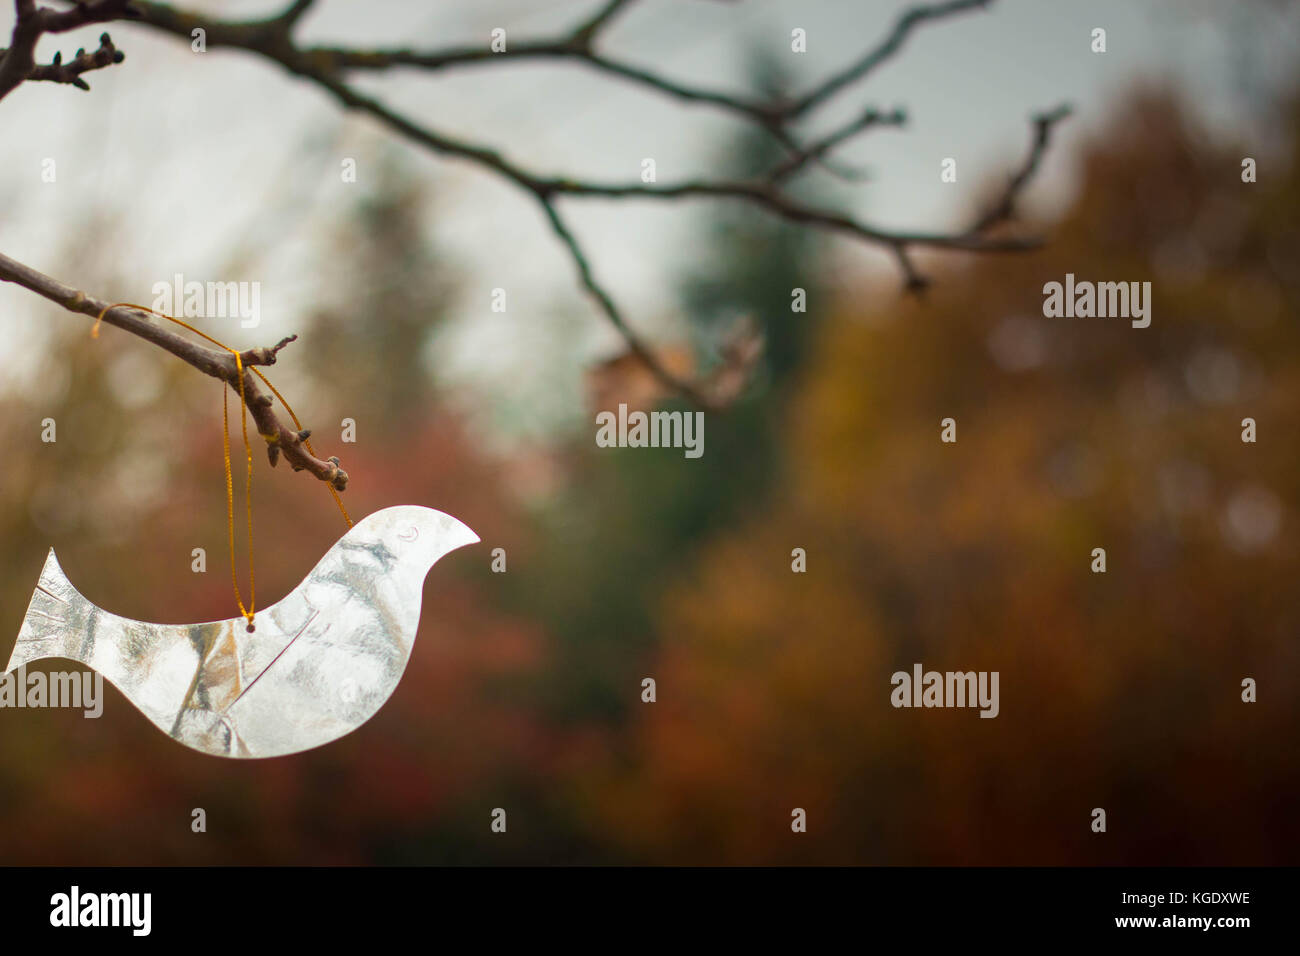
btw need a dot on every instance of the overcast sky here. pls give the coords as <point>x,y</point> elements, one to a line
<point>195,149</point>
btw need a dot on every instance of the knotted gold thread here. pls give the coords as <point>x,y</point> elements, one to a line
<point>248,612</point>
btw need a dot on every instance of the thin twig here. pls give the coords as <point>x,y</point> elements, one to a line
<point>281,439</point>
<point>816,152</point>
<point>71,72</point>
<point>903,27</point>
<point>18,61</point>
<point>1004,209</point>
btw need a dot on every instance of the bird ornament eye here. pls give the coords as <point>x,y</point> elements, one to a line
<point>410,534</point>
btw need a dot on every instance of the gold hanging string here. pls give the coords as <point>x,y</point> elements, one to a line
<point>248,494</point>
<point>248,612</point>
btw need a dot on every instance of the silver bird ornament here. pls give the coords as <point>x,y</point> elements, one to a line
<point>318,664</point>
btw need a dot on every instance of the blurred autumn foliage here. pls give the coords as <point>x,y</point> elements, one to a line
<point>1119,690</point>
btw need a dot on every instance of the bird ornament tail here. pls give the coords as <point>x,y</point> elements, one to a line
<point>55,618</point>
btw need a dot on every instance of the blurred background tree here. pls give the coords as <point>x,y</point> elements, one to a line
<point>630,520</point>
<point>1121,690</point>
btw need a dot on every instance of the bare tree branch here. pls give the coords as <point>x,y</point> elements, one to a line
<point>1004,208</point>
<point>873,58</point>
<point>327,67</point>
<point>59,72</point>
<point>697,392</point>
<point>280,438</point>
<point>18,62</point>
<point>579,45</point>
<point>586,32</point>
<point>816,152</point>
